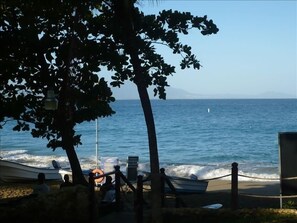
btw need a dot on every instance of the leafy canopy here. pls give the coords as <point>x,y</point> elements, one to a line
<point>150,30</point>
<point>62,45</point>
<point>51,45</point>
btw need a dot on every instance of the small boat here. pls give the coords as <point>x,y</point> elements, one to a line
<point>186,186</point>
<point>16,172</point>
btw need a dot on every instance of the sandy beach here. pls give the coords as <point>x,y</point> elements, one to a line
<point>252,195</point>
<point>11,191</point>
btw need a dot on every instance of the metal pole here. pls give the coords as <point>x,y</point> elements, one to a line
<point>96,143</point>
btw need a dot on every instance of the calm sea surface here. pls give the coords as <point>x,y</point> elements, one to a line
<point>201,137</point>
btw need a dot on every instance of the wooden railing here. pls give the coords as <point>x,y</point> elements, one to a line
<point>119,177</point>
<point>138,191</point>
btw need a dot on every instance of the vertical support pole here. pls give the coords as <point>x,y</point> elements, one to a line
<point>96,147</point>
<point>118,187</point>
<point>139,199</point>
<point>234,186</point>
<point>162,171</point>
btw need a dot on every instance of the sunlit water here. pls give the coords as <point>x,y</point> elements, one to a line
<point>201,137</point>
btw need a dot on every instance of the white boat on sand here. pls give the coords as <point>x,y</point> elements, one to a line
<point>16,172</point>
<point>186,186</point>
<point>180,185</point>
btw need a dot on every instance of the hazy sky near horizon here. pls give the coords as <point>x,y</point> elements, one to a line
<point>254,52</point>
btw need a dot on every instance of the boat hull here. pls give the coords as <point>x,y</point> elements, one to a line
<point>16,172</point>
<point>187,186</point>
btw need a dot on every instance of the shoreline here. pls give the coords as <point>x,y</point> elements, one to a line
<point>268,188</point>
<point>265,197</point>
<point>251,194</point>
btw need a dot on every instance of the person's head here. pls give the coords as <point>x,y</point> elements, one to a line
<point>66,178</point>
<point>41,178</point>
<point>108,179</point>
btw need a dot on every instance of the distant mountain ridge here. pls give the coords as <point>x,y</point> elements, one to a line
<point>129,92</point>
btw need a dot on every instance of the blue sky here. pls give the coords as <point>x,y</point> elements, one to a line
<point>253,53</point>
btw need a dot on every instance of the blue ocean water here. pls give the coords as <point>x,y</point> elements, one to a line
<point>201,137</point>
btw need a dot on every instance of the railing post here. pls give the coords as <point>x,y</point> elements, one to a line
<point>234,186</point>
<point>162,171</point>
<point>91,197</point>
<point>118,187</point>
<point>139,199</point>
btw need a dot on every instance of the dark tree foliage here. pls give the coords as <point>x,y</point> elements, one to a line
<point>50,45</point>
<point>145,33</point>
<point>62,45</point>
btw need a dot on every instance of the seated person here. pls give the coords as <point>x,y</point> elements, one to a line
<point>41,187</point>
<point>108,191</point>
<point>66,182</point>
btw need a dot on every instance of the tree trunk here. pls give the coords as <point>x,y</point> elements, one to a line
<point>124,9</point>
<point>154,157</point>
<point>150,123</point>
<point>151,130</point>
<point>67,144</point>
<point>77,175</point>
<point>65,122</point>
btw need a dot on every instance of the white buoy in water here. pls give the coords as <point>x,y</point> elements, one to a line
<point>208,110</point>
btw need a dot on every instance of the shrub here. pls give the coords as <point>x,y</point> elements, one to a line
<point>68,205</point>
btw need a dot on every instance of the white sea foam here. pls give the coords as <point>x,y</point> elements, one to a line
<point>181,170</point>
<point>21,156</point>
<point>210,172</point>
<point>11,153</point>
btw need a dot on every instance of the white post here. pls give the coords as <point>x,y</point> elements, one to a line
<point>0,142</point>
<point>97,143</point>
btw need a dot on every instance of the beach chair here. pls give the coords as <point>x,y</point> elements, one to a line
<point>132,166</point>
